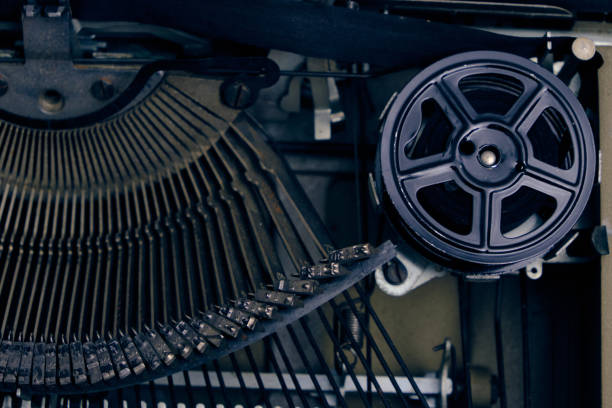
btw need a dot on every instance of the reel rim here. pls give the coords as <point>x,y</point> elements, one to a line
<point>433,238</point>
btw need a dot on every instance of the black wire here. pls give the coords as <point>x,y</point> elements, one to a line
<point>243,388</point>
<point>377,351</point>
<point>340,354</point>
<point>356,349</point>
<point>499,347</point>
<point>224,393</point>
<point>260,383</point>
<point>296,383</point>
<point>279,373</point>
<point>352,110</point>
<point>328,74</point>
<point>321,358</point>
<point>464,311</point>
<point>311,372</point>
<point>171,393</point>
<point>394,351</point>
<point>153,393</point>
<point>188,390</point>
<point>369,360</point>
<point>525,329</point>
<point>209,390</point>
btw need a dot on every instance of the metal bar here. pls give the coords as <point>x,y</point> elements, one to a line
<point>152,392</point>
<point>243,387</point>
<point>221,384</point>
<point>311,373</point>
<point>373,345</point>
<point>271,382</point>
<point>599,32</point>
<point>325,74</point>
<point>189,388</point>
<point>464,311</point>
<point>357,350</point>
<point>209,391</point>
<point>317,351</point>
<point>369,358</point>
<point>257,377</point>
<point>499,346</point>
<point>347,365</point>
<point>289,368</point>
<point>605,144</point>
<point>525,329</point>
<point>279,375</point>
<point>328,291</point>
<point>353,115</point>
<point>171,392</point>
<point>394,350</point>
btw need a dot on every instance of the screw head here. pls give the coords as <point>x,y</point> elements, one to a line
<point>51,101</point>
<point>583,48</point>
<point>237,95</point>
<point>394,272</point>
<point>488,156</point>
<point>102,89</point>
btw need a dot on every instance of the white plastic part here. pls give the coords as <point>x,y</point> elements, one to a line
<point>419,271</point>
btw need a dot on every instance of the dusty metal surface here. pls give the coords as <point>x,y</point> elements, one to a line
<point>605,106</point>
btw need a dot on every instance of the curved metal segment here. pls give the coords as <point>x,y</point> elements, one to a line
<point>145,240</point>
<point>149,347</point>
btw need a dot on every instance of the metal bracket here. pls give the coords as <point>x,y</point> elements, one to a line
<point>325,97</point>
<point>418,269</point>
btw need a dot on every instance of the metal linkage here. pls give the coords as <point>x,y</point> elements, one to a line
<point>129,246</point>
<point>294,370</point>
<point>154,352</point>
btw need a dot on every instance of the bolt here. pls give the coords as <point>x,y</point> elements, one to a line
<point>583,48</point>
<point>488,157</point>
<point>102,89</point>
<point>51,101</point>
<point>395,273</point>
<point>237,95</point>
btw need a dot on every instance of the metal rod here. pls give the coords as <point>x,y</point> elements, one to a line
<point>499,346</point>
<point>238,372</point>
<point>279,374</point>
<point>347,365</point>
<point>270,381</point>
<point>188,388</point>
<point>311,373</point>
<point>152,392</point>
<point>224,392</point>
<point>525,328</point>
<point>209,391</point>
<point>257,376</point>
<point>392,347</point>
<point>321,358</point>
<point>171,391</point>
<point>464,299</point>
<point>383,363</point>
<point>285,359</point>
<point>326,74</point>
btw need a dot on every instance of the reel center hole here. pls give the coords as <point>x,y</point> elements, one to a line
<point>489,156</point>
<point>467,147</point>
